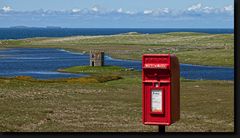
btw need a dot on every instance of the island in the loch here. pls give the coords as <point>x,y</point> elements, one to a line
<point>109,98</point>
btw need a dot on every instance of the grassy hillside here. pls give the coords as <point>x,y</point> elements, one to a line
<point>193,48</point>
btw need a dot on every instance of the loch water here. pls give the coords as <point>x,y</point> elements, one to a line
<point>43,63</point>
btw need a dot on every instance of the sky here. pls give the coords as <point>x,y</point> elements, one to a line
<point>117,13</point>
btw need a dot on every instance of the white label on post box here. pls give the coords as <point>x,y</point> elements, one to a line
<point>156,100</point>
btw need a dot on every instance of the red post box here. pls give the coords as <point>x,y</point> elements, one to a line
<point>160,89</point>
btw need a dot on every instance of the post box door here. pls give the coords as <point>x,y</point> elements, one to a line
<point>157,104</point>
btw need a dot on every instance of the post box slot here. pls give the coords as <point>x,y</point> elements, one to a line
<point>156,59</point>
<point>160,78</point>
<point>156,66</point>
<point>156,75</point>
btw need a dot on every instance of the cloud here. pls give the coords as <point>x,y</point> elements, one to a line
<point>165,10</point>
<point>207,9</point>
<point>228,8</point>
<point>130,12</point>
<point>203,10</point>
<point>120,10</point>
<point>199,8</point>
<point>158,12</point>
<point>6,8</point>
<point>197,12</point>
<point>195,7</point>
<point>76,10</point>
<point>147,11</point>
<point>193,10</point>
<point>95,9</point>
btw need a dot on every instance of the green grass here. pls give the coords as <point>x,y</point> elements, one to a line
<point>192,48</point>
<point>112,106</point>
<point>101,71</point>
<point>94,69</point>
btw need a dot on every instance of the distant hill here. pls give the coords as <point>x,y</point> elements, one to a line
<point>49,27</point>
<point>54,27</point>
<point>19,27</point>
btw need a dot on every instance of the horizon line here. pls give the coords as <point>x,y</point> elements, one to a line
<point>59,27</point>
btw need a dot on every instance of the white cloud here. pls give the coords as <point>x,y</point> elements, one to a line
<point>6,8</point>
<point>157,12</point>
<point>165,10</point>
<point>200,9</point>
<point>120,10</point>
<point>193,11</point>
<point>130,12</point>
<point>147,11</point>
<point>95,8</point>
<point>228,8</point>
<point>208,10</point>
<point>76,10</point>
<point>195,7</point>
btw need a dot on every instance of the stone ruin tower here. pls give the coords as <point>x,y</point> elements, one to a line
<point>96,58</point>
